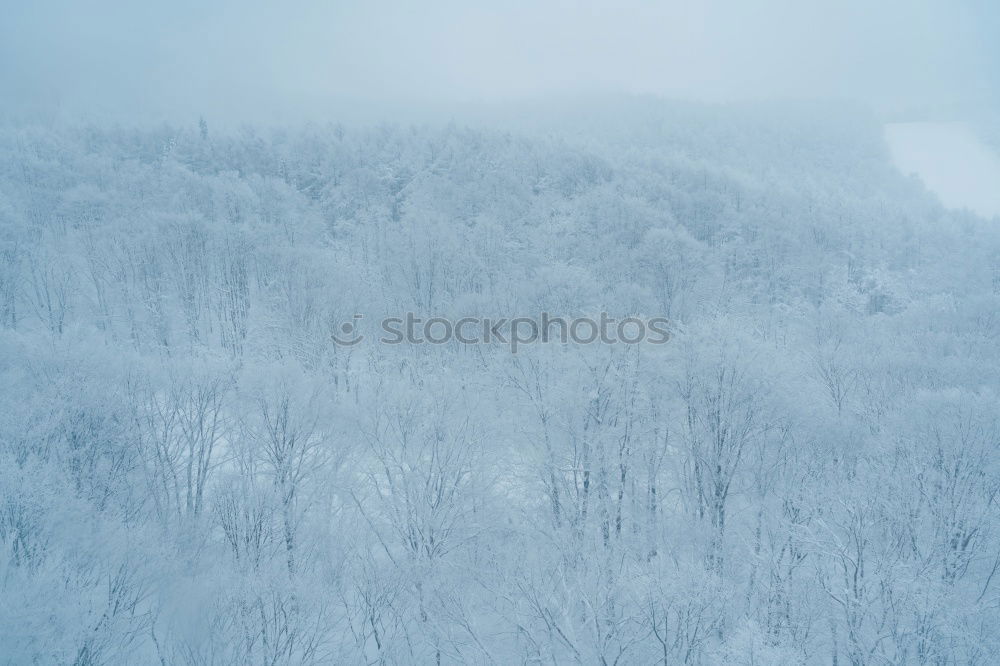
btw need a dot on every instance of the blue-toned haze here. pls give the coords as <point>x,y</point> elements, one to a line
<point>272,390</point>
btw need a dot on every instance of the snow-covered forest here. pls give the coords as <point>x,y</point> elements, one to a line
<point>192,471</point>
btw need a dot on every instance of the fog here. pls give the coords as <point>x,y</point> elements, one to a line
<point>951,161</point>
<point>606,332</point>
<point>255,60</point>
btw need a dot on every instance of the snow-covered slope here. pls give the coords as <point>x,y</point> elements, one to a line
<point>951,160</point>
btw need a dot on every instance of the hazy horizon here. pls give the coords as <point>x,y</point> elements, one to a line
<point>307,60</point>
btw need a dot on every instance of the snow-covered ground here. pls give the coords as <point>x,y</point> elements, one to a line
<point>951,161</point>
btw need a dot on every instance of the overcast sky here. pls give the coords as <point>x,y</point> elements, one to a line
<point>251,58</point>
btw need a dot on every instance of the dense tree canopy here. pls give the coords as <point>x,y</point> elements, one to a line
<point>193,472</point>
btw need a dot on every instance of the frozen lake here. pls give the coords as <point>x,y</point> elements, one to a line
<point>951,161</point>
